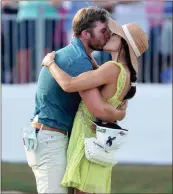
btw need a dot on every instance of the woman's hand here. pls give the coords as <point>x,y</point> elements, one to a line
<point>48,59</point>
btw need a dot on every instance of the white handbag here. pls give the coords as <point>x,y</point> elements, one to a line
<point>96,149</point>
<point>110,135</point>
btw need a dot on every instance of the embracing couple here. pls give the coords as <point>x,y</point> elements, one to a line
<point>71,85</point>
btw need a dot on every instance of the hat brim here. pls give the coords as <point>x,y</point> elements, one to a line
<point>117,29</point>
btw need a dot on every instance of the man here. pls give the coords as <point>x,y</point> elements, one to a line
<point>55,109</point>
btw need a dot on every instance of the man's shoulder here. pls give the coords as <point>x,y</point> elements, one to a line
<point>72,54</point>
<point>73,51</point>
<point>62,49</point>
<point>74,64</point>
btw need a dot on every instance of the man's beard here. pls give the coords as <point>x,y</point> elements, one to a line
<point>93,46</point>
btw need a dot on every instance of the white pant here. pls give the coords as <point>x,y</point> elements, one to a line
<point>48,161</point>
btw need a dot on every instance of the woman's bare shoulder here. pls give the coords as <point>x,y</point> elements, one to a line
<point>112,67</point>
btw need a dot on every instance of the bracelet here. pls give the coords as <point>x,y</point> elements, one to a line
<point>50,63</point>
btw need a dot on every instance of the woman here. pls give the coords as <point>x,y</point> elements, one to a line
<point>126,45</point>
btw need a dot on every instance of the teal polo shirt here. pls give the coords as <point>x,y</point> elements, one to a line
<point>54,107</point>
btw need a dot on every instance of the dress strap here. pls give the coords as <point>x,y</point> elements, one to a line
<point>120,82</point>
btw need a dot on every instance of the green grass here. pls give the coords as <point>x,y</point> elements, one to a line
<point>125,179</point>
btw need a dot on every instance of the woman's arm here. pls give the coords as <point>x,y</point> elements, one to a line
<point>88,80</point>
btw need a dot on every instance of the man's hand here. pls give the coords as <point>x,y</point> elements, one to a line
<point>48,59</point>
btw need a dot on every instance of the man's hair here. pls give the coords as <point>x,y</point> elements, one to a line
<point>85,18</point>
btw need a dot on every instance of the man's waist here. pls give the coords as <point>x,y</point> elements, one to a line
<point>57,123</point>
<point>42,126</point>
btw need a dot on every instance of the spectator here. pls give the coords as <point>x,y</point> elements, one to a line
<point>2,59</point>
<point>166,33</point>
<point>9,7</point>
<point>166,39</point>
<point>154,9</point>
<point>9,11</point>
<point>61,39</point>
<point>166,48</point>
<point>168,8</point>
<point>126,11</point>
<point>27,18</point>
<point>166,75</point>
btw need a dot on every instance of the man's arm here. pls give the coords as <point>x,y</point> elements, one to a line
<point>100,108</point>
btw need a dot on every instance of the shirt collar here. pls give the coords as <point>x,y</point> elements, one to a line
<point>78,42</point>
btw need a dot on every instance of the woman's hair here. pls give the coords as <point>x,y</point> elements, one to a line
<point>133,76</point>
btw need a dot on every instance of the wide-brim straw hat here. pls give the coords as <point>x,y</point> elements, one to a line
<point>135,37</point>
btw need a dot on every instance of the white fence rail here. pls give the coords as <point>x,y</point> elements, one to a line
<point>149,120</point>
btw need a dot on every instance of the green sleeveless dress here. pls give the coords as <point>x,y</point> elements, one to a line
<point>81,173</point>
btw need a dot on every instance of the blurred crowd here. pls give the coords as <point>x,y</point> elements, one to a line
<point>32,27</point>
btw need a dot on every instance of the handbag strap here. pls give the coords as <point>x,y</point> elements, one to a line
<point>83,123</point>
